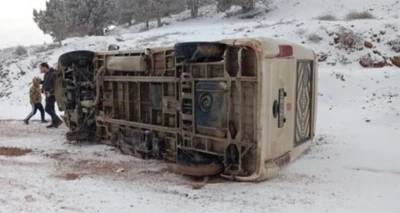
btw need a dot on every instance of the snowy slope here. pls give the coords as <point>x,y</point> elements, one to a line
<point>289,19</point>
<point>352,167</point>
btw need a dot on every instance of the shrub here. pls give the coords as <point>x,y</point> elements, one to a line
<point>314,38</point>
<point>301,32</point>
<point>21,51</point>
<point>395,45</point>
<point>327,18</point>
<point>46,47</point>
<point>348,39</point>
<point>344,60</point>
<point>359,15</point>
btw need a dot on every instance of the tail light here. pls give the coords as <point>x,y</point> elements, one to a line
<point>285,51</point>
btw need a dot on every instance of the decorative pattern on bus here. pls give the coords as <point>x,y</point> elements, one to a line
<point>303,102</point>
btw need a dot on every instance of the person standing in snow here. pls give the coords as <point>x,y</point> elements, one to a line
<point>48,88</point>
<point>35,97</point>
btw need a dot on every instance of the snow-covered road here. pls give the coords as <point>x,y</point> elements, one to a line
<point>352,167</point>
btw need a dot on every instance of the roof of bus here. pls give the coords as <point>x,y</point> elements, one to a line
<point>268,46</point>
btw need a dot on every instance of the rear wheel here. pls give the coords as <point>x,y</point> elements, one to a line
<point>199,165</point>
<point>200,51</point>
<point>80,58</point>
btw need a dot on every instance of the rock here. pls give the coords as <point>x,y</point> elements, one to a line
<point>368,121</point>
<point>379,64</point>
<point>395,60</point>
<point>120,170</point>
<point>336,40</point>
<point>30,199</point>
<point>367,61</point>
<point>382,32</point>
<point>70,176</point>
<point>322,57</point>
<point>378,40</point>
<point>332,63</point>
<point>376,52</point>
<point>368,44</point>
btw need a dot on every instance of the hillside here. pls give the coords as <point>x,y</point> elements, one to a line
<point>352,167</point>
<point>290,20</point>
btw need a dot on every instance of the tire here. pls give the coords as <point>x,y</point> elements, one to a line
<point>76,57</point>
<point>200,167</point>
<point>200,51</point>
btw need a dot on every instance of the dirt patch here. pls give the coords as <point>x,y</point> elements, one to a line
<point>198,183</point>
<point>30,199</point>
<point>58,155</point>
<point>69,176</point>
<point>13,151</point>
<point>393,172</point>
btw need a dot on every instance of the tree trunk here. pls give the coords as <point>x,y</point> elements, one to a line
<point>248,6</point>
<point>159,23</point>
<point>147,24</point>
<point>194,8</point>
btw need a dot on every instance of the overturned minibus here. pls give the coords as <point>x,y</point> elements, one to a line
<point>240,108</point>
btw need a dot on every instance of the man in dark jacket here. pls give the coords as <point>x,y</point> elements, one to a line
<point>48,87</point>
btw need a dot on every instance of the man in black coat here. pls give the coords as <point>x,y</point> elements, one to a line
<point>48,87</point>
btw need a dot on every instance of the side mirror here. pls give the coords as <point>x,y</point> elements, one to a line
<point>113,47</point>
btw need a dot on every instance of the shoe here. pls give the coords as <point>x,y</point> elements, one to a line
<point>59,122</point>
<point>44,121</point>
<point>26,122</point>
<point>50,126</point>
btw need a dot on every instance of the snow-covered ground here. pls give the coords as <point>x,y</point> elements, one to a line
<point>353,165</point>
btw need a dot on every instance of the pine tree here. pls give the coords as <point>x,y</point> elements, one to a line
<point>53,20</point>
<point>194,8</point>
<point>247,5</point>
<point>101,15</point>
<point>162,8</point>
<point>126,11</point>
<point>94,14</point>
<point>143,11</point>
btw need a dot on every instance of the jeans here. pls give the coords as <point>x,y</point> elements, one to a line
<point>50,109</point>
<point>35,107</point>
